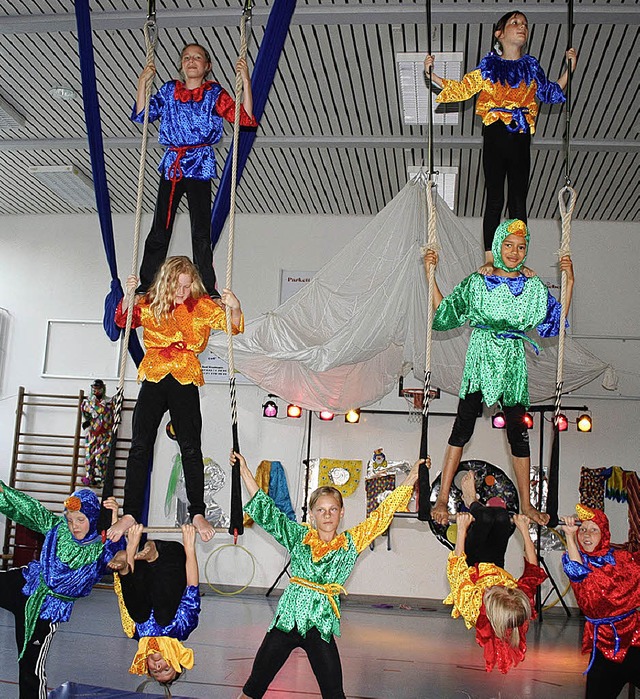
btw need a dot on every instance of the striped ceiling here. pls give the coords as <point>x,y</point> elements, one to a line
<point>332,140</point>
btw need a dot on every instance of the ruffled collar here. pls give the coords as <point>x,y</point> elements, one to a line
<point>598,561</point>
<point>511,73</point>
<point>515,284</point>
<point>182,94</point>
<point>320,548</point>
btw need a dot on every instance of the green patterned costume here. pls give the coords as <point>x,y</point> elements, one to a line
<point>321,568</point>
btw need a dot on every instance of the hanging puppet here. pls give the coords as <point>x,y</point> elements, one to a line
<point>97,420</point>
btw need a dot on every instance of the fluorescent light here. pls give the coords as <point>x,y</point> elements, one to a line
<point>10,118</point>
<point>414,91</point>
<point>446,178</point>
<point>71,185</point>
<point>63,93</point>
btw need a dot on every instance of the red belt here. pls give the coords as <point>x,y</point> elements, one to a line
<point>175,171</point>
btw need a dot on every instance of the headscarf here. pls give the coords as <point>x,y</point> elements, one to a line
<point>170,649</point>
<point>85,501</point>
<point>598,517</point>
<point>512,226</point>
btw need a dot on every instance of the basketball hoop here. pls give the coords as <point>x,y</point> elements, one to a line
<point>415,401</point>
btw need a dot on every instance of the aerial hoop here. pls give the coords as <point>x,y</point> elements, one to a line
<point>240,589</point>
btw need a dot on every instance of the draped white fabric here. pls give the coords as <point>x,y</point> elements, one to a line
<point>345,338</point>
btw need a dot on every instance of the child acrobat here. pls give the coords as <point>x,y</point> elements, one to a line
<point>501,308</point>
<point>482,592</point>
<point>308,614</point>
<point>508,81</point>
<point>192,113</point>
<point>606,585</point>
<point>159,600</point>
<point>41,594</point>
<point>177,317</point>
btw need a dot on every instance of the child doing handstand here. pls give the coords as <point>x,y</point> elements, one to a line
<point>308,614</point>
<point>501,308</point>
<point>606,584</point>
<point>177,317</point>
<point>41,595</point>
<point>157,589</point>
<point>508,81</point>
<point>191,111</point>
<point>482,592</point>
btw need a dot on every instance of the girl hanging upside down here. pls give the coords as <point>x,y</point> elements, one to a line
<point>308,614</point>
<point>501,308</point>
<point>508,81</point>
<point>159,599</point>
<point>177,317</point>
<point>192,113</point>
<point>606,583</point>
<point>482,592</point>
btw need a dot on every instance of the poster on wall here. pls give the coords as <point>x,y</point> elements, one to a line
<point>216,370</point>
<point>292,281</point>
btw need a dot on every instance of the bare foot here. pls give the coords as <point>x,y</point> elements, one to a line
<point>535,516</point>
<point>440,513</point>
<point>468,487</point>
<point>149,553</point>
<point>115,531</point>
<point>203,527</point>
<point>119,563</point>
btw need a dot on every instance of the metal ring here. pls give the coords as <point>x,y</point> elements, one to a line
<point>244,587</point>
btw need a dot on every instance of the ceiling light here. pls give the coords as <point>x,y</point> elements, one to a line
<point>446,179</point>
<point>294,410</point>
<point>269,408</point>
<point>414,90</point>
<point>10,118</point>
<point>326,415</point>
<point>352,416</point>
<point>71,185</point>
<point>63,93</point>
<point>584,423</point>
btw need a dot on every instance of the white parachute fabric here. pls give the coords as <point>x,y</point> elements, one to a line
<point>345,338</point>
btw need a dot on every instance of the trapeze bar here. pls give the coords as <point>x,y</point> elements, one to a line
<point>178,530</point>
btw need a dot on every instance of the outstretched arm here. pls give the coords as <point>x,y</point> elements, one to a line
<point>522,524</point>
<point>428,65</point>
<point>247,95</point>
<point>246,475</point>
<point>572,60</point>
<point>147,74</point>
<point>430,260</point>
<point>191,565</point>
<point>463,520</point>
<point>566,265</point>
<point>570,529</point>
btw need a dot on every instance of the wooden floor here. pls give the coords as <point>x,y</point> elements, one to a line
<point>418,653</point>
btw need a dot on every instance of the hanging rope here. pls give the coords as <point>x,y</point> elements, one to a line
<point>236,526</point>
<point>150,37</point>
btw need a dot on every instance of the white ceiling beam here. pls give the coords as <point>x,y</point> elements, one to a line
<point>340,142</point>
<point>321,15</point>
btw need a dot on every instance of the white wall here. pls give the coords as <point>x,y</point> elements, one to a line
<point>54,267</point>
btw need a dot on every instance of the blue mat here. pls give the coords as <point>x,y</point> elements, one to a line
<point>72,690</point>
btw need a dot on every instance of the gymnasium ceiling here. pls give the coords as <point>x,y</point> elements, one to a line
<point>331,140</point>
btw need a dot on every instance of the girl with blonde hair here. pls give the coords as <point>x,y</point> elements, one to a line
<point>177,317</point>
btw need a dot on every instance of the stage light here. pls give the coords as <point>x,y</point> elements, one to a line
<point>498,421</point>
<point>562,423</point>
<point>294,410</point>
<point>528,420</point>
<point>269,409</point>
<point>584,423</point>
<point>326,415</point>
<point>352,416</point>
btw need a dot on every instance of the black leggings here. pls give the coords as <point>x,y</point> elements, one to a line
<point>470,407</point>
<point>488,535</point>
<point>276,648</point>
<point>505,155</point>
<point>156,586</point>
<point>606,678</point>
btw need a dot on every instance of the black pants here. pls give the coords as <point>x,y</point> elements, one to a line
<point>156,586</point>
<point>505,156</point>
<point>32,674</point>
<point>470,407</point>
<point>488,535</point>
<point>156,245</point>
<point>276,648</point>
<point>607,678</point>
<point>183,404</point>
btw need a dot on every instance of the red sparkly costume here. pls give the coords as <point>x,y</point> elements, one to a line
<point>468,585</point>
<point>606,585</point>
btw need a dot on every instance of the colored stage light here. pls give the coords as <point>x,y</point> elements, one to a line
<point>528,420</point>
<point>269,409</point>
<point>562,422</point>
<point>498,421</point>
<point>584,423</point>
<point>326,415</point>
<point>352,415</point>
<point>294,410</point>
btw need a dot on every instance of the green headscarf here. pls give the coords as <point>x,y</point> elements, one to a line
<point>510,226</point>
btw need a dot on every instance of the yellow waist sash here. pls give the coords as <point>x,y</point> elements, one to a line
<point>331,590</point>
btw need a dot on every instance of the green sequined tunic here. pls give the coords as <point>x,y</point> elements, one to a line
<point>304,608</point>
